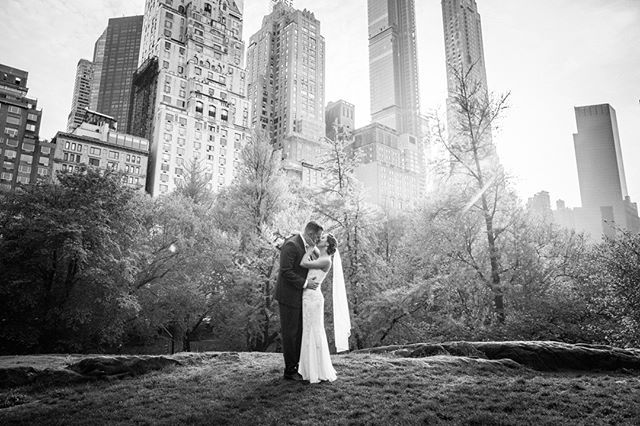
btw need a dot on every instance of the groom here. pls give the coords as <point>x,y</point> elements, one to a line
<point>292,279</point>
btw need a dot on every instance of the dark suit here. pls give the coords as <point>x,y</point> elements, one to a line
<point>289,288</point>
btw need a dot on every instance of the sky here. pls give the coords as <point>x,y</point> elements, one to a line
<point>551,55</point>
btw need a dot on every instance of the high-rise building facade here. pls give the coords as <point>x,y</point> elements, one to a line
<point>189,94</point>
<point>390,168</point>
<point>120,48</point>
<point>603,185</point>
<point>393,65</point>
<point>392,147</point>
<point>464,51</point>
<point>81,94</point>
<point>24,157</point>
<point>598,156</point>
<point>285,64</point>
<point>96,76</point>
<point>463,44</point>
<point>339,118</point>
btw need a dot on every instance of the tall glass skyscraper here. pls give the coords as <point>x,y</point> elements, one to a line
<point>189,93</point>
<point>285,62</point>
<point>393,65</point>
<point>598,156</point>
<point>117,64</point>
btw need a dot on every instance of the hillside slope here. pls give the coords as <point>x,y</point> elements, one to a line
<point>247,388</point>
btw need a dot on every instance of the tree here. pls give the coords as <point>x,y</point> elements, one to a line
<point>67,261</point>
<point>187,266</point>
<point>474,162</point>
<point>250,209</point>
<point>340,201</point>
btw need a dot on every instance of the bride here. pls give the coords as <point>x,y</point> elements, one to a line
<point>315,361</point>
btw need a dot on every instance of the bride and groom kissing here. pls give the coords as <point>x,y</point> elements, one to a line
<point>305,260</point>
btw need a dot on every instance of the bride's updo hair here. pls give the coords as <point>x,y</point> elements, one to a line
<point>332,244</point>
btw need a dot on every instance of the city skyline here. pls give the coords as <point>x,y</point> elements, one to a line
<point>553,57</point>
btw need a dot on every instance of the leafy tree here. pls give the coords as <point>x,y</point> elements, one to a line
<point>607,279</point>
<point>187,265</point>
<point>476,170</point>
<point>340,201</point>
<point>251,209</point>
<point>67,255</point>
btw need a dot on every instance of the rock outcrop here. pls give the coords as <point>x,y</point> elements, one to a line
<point>542,356</point>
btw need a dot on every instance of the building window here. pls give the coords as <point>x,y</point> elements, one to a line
<point>28,147</point>
<point>164,167</point>
<point>164,188</point>
<point>26,158</point>
<point>164,177</point>
<point>31,127</point>
<point>224,114</point>
<point>94,151</point>
<point>180,69</point>
<point>12,133</point>
<point>12,142</point>
<point>94,162</point>
<point>9,153</point>
<point>114,155</point>
<point>14,109</point>
<point>199,107</point>
<point>6,176</point>
<point>198,70</point>
<point>165,64</point>
<point>166,99</point>
<point>43,161</point>
<point>212,111</point>
<point>13,120</point>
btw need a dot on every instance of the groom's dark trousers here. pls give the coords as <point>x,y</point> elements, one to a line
<point>289,288</point>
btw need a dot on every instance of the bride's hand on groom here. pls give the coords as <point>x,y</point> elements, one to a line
<point>312,284</point>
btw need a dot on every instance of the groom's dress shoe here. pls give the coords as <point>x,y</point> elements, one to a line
<point>293,376</point>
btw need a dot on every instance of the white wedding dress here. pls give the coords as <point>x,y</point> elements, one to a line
<point>315,361</point>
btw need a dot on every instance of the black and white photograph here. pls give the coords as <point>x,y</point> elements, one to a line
<point>298,212</point>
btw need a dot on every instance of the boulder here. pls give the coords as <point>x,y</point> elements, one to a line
<point>121,365</point>
<point>539,355</point>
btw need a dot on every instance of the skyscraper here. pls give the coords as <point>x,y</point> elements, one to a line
<point>463,42</point>
<point>606,206</point>
<point>120,48</point>
<point>24,156</point>
<point>598,156</point>
<point>393,65</point>
<point>96,77</point>
<point>189,94</point>
<point>285,63</point>
<point>81,94</point>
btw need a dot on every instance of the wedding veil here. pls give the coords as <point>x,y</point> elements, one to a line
<point>341,320</point>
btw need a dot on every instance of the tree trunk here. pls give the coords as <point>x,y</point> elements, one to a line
<point>496,286</point>
<point>186,342</point>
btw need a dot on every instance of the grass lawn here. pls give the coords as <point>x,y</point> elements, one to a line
<point>371,389</point>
